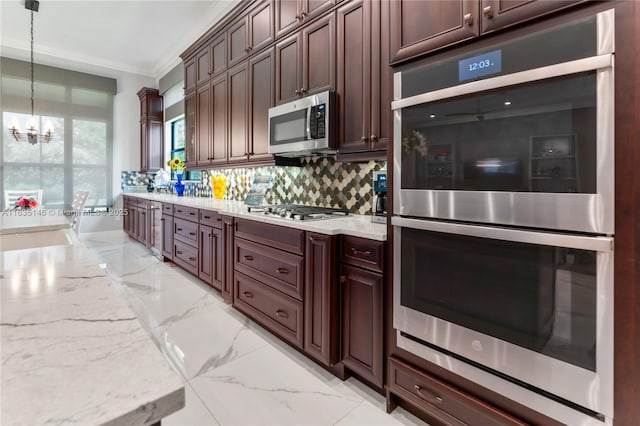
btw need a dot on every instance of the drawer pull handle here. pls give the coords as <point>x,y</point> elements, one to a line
<point>178,252</point>
<point>207,217</point>
<point>193,259</point>
<point>192,213</point>
<point>467,19</point>
<point>179,229</point>
<point>418,389</point>
<point>247,294</point>
<point>219,219</point>
<point>360,252</point>
<point>247,257</point>
<point>488,12</point>
<point>179,211</point>
<point>282,270</point>
<point>282,314</point>
<point>192,233</point>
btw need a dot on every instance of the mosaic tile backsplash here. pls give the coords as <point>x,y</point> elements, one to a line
<point>321,182</point>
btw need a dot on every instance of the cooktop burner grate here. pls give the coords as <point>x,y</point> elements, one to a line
<point>298,212</point>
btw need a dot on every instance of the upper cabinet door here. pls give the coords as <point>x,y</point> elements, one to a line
<point>190,75</point>
<point>203,65</point>
<point>190,129</point>
<point>238,41</point>
<point>238,113</point>
<point>219,55</point>
<point>288,68</point>
<point>502,13</point>
<point>319,56</point>
<point>287,16</point>
<point>312,8</point>
<point>261,98</point>
<point>261,26</point>
<point>422,26</point>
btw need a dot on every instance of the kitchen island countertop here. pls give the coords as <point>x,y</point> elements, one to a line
<point>354,225</point>
<point>72,351</point>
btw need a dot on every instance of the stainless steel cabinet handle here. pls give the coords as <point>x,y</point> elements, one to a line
<point>282,314</point>
<point>282,270</point>
<point>363,139</point>
<point>297,92</point>
<point>488,12</point>
<point>373,138</point>
<point>468,19</point>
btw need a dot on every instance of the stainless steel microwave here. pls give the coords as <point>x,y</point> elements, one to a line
<point>303,127</point>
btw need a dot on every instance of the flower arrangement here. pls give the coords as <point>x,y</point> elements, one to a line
<point>177,165</point>
<point>24,203</point>
<point>415,141</point>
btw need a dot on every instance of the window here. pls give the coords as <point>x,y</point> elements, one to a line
<point>178,148</point>
<point>79,156</point>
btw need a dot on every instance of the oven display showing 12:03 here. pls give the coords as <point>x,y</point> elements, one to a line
<point>480,65</point>
<point>474,66</point>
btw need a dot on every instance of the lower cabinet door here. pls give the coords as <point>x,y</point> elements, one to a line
<point>362,327</point>
<point>167,236</point>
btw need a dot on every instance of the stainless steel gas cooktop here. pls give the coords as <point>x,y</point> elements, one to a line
<point>298,212</point>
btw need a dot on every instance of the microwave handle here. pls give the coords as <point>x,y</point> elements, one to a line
<point>309,122</point>
<point>599,244</point>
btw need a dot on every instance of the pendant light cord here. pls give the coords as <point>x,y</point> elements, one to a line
<point>32,91</point>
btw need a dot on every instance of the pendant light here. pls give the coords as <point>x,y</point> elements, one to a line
<point>30,134</point>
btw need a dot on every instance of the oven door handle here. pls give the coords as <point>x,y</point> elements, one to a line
<point>599,244</point>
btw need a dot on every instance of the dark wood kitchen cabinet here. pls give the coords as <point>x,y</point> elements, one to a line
<point>211,253</point>
<point>362,282</point>
<point>364,79</point>
<point>419,27</point>
<point>211,60</point>
<point>190,75</point>
<point>211,107</point>
<point>167,231</point>
<point>321,299</point>
<point>306,61</point>
<point>228,224</point>
<point>151,130</point>
<point>443,403</point>
<point>251,32</point>
<point>238,110</point>
<point>185,238</point>
<point>261,98</point>
<point>291,14</point>
<point>269,277</point>
<point>190,149</point>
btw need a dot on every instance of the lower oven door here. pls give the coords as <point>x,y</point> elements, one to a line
<point>533,308</point>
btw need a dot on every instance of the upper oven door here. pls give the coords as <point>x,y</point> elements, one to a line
<point>492,142</point>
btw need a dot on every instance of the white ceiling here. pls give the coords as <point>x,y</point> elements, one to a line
<point>142,37</point>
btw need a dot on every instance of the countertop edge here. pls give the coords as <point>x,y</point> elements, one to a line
<point>352,225</point>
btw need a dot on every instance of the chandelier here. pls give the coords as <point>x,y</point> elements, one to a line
<point>30,134</point>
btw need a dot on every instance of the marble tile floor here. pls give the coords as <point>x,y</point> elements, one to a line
<point>234,371</point>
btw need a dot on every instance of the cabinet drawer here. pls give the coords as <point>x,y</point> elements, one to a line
<point>185,256</point>
<point>186,231</point>
<point>443,402</point>
<point>280,237</point>
<point>279,313</point>
<point>362,252</point>
<point>185,212</point>
<point>210,218</point>
<point>278,269</point>
<point>167,209</point>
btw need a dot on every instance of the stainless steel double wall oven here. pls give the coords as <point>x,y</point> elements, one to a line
<point>503,217</point>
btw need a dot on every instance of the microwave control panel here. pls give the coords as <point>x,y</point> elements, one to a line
<point>317,121</point>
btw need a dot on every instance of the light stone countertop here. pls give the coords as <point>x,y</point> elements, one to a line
<point>72,350</point>
<point>21,221</point>
<point>354,225</point>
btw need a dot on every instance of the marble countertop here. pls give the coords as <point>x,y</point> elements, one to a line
<point>354,225</point>
<point>21,221</point>
<point>72,350</point>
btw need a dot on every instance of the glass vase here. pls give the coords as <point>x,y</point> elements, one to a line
<point>179,186</point>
